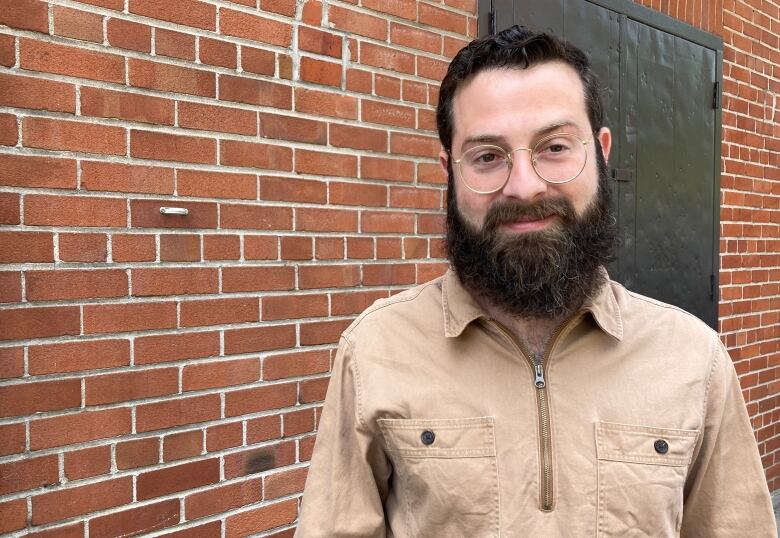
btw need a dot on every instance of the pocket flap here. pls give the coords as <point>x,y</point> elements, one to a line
<point>644,444</point>
<point>451,437</point>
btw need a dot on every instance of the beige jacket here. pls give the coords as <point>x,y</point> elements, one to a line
<point>436,424</point>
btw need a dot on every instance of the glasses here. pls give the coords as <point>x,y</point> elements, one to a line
<point>557,158</point>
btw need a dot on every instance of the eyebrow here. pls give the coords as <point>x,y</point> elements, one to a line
<point>539,133</point>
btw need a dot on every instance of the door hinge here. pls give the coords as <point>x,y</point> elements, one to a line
<point>622,174</point>
<point>492,19</point>
<point>716,95</point>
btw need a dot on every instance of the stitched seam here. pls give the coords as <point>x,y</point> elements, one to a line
<point>358,386</point>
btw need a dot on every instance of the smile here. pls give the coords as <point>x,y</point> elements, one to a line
<point>529,224</point>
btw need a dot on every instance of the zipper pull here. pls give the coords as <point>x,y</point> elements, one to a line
<point>539,380</point>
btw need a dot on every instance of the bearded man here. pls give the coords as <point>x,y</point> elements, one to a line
<point>524,394</point>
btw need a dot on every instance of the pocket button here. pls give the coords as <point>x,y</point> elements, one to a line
<point>427,437</point>
<point>661,446</point>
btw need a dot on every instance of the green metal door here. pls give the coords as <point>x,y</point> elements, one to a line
<point>660,93</point>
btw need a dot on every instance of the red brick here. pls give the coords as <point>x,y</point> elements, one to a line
<point>78,24</point>
<point>296,364</point>
<point>171,78</point>
<point>217,118</point>
<point>178,478</point>
<point>408,144</point>
<point>137,521</point>
<point>387,114</point>
<point>296,248</point>
<point>133,247</point>
<point>254,92</point>
<point>169,147</point>
<point>75,284</point>
<point>87,211</point>
<point>415,198</point>
<point>263,278</point>
<point>387,86</point>
<point>26,15</point>
<point>170,413</point>
<point>11,441</point>
<point>357,23</point>
<point>82,247</point>
<point>129,35</point>
<point>29,171</point>
<point>137,453</point>
<point>117,177</point>
<point>416,92</point>
<point>255,155</point>
<point>415,247</point>
<point>179,247</point>
<point>282,7</point>
<point>322,332</point>
<point>329,248</point>
<point>361,248</point>
<point>256,460</point>
<point>127,106</point>
<point>260,247</point>
<point>221,247</point>
<point>224,436</point>
<point>442,18</point>
<point>321,163</point>
<point>218,312</point>
<point>77,356</point>
<point>359,81</point>
<point>72,61</point>
<point>129,386</point>
<point>186,12</point>
<point>10,288</point>
<point>9,208</point>
<point>325,103</point>
<point>292,128</point>
<point>219,53</point>
<point>254,28</point>
<point>7,50</point>
<point>220,374</point>
<point>358,194</point>
<point>430,224</point>
<point>388,247</point>
<point>415,38</point>
<point>313,390</point>
<point>27,323</point>
<point>13,515</point>
<point>212,529</point>
<point>388,274</point>
<point>430,173</point>
<point>26,247</point>
<point>320,72</point>
<point>259,61</point>
<point>256,399</point>
<point>110,318</point>
<point>29,473</point>
<point>433,69</point>
<point>328,276</point>
<point>174,44</point>
<point>349,136</point>
<point>263,429</point>
<point>312,12</point>
<point>175,347</point>
<point>326,220</point>
<point>9,130</point>
<point>286,482</point>
<point>72,136</point>
<point>255,217</point>
<point>79,428</point>
<point>179,446</point>
<point>257,339</point>
<point>223,499</point>
<point>386,58</point>
<point>283,189</point>
<point>11,362</point>
<point>260,519</point>
<point>70,502</point>
<point>294,306</point>
<point>319,42</point>
<point>89,462</point>
<point>174,281</point>
<point>146,214</point>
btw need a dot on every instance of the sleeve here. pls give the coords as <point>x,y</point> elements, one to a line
<point>726,491</point>
<point>347,481</point>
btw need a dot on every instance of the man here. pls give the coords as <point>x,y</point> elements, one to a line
<point>523,394</point>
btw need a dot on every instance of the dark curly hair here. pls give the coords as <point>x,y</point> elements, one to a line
<point>515,47</point>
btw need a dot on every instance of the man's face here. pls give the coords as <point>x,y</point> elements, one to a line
<point>514,108</point>
<point>532,248</point>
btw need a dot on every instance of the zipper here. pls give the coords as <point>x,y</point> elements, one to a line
<point>542,405</point>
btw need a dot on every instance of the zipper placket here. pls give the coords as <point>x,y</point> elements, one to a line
<point>542,407</point>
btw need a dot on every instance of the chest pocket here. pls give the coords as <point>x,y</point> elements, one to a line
<point>642,473</point>
<point>447,474</point>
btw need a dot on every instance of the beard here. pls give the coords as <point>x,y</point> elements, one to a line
<point>540,274</point>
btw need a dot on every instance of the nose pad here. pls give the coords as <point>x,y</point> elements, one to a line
<point>523,183</point>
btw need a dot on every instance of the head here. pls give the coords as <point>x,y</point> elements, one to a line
<point>530,246</point>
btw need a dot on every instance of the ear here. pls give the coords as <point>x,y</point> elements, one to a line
<point>444,159</point>
<point>605,138</point>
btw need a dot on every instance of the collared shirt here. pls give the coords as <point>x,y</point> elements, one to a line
<point>438,424</point>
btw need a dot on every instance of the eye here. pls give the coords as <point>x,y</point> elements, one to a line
<point>486,157</point>
<point>554,147</point>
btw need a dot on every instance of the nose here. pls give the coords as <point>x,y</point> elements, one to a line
<point>524,183</point>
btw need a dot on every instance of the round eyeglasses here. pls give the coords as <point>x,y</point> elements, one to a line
<point>557,158</point>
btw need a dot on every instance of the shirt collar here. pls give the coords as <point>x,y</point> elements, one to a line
<point>460,308</point>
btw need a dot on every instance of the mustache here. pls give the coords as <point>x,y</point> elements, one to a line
<point>512,210</point>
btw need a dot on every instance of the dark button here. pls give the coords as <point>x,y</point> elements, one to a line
<point>427,437</point>
<point>661,446</point>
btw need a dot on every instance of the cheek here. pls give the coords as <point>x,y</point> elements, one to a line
<point>473,207</point>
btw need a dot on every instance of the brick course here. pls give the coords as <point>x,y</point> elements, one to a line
<point>192,352</point>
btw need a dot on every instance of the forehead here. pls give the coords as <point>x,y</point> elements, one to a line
<point>509,100</point>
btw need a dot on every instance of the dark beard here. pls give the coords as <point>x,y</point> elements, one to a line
<point>544,274</point>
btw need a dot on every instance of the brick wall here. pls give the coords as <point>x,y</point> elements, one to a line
<point>163,373</point>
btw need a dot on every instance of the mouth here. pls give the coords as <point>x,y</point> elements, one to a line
<point>529,223</point>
